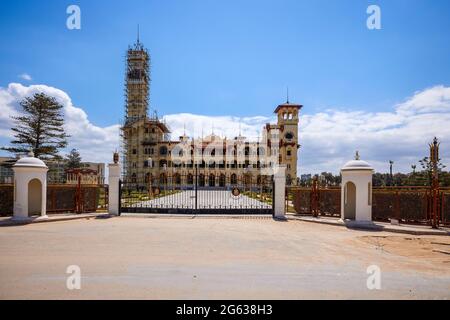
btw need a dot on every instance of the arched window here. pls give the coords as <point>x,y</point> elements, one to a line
<point>162,163</point>
<point>163,150</point>
<point>233,179</point>
<point>222,180</point>
<point>190,179</point>
<point>288,180</point>
<point>248,179</point>
<point>212,180</point>
<point>201,180</point>
<point>177,179</point>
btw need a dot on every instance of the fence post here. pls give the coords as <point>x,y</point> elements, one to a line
<point>113,186</point>
<point>78,200</point>
<point>280,192</point>
<point>315,197</point>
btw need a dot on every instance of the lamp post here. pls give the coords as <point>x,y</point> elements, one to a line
<point>434,159</point>
<point>390,172</point>
<point>413,167</point>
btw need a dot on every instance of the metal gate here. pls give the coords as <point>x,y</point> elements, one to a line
<point>200,192</point>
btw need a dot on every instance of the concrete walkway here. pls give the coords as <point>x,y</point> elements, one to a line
<point>9,221</point>
<point>376,226</point>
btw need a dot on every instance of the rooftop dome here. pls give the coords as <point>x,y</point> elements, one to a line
<point>357,165</point>
<point>30,162</point>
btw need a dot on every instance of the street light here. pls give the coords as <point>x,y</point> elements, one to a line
<point>390,171</point>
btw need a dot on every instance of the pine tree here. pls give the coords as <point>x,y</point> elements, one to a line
<point>73,160</point>
<point>40,128</point>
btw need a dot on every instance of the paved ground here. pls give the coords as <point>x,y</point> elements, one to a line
<point>206,199</point>
<point>376,225</point>
<point>209,258</point>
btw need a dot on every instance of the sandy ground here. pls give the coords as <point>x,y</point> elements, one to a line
<point>217,258</point>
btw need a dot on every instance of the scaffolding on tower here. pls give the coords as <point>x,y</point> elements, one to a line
<point>137,99</point>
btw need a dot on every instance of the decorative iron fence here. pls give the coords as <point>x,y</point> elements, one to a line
<point>406,204</point>
<point>62,198</point>
<point>6,199</point>
<point>197,192</point>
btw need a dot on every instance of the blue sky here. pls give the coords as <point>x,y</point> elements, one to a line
<point>230,57</point>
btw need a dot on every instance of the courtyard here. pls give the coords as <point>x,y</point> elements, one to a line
<point>211,199</point>
<point>201,257</point>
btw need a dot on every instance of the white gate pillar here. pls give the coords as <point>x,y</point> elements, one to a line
<point>113,186</point>
<point>279,196</point>
<point>30,199</point>
<point>356,191</point>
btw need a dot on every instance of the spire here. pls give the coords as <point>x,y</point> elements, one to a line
<point>138,42</point>
<point>287,95</point>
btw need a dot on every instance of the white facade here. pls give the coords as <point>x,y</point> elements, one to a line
<point>30,188</point>
<point>356,192</point>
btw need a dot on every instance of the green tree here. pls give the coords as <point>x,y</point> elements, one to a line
<point>73,159</point>
<point>40,128</point>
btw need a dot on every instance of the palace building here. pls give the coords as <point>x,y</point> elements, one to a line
<point>149,155</point>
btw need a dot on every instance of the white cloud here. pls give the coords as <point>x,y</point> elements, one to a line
<point>328,138</point>
<point>226,126</point>
<point>25,76</point>
<point>94,143</point>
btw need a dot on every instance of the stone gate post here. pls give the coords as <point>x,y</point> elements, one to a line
<point>113,186</point>
<point>280,192</point>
